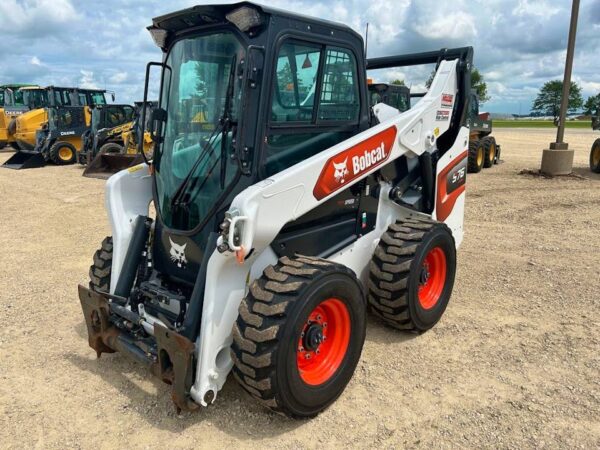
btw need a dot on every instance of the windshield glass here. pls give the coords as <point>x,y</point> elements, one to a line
<point>193,94</point>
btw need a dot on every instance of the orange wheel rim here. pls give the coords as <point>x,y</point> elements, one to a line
<point>323,342</point>
<point>480,156</point>
<point>65,153</point>
<point>432,278</point>
<point>492,152</point>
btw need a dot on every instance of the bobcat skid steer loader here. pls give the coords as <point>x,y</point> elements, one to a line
<point>280,226</point>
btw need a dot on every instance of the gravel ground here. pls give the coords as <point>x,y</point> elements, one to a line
<point>514,363</point>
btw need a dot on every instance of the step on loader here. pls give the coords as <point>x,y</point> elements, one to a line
<point>52,130</point>
<point>110,150</point>
<point>283,216</point>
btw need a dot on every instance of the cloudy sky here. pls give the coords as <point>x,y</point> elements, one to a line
<point>519,44</point>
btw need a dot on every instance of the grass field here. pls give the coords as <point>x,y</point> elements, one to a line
<point>581,124</point>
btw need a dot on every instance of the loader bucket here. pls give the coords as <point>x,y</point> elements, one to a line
<point>23,160</point>
<point>107,164</point>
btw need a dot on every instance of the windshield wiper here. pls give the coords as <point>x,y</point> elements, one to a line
<point>223,127</point>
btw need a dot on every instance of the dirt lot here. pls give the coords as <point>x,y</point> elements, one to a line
<point>514,363</point>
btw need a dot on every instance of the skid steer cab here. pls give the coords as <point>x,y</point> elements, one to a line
<point>286,209</point>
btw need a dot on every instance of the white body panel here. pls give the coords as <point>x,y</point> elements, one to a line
<point>263,209</point>
<point>128,195</point>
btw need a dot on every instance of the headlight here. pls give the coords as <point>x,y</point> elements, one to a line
<point>245,18</point>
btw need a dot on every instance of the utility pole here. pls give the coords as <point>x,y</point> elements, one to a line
<point>558,159</point>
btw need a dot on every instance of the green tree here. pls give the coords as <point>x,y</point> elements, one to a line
<point>477,83</point>
<point>549,98</point>
<point>398,82</point>
<point>592,105</point>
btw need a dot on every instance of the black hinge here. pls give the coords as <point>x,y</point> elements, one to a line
<point>244,157</point>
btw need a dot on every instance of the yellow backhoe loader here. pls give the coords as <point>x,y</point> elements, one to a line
<point>53,133</point>
<point>12,104</point>
<point>108,150</point>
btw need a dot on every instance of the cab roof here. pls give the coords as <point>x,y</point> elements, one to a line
<point>102,91</point>
<point>17,86</point>
<point>200,15</point>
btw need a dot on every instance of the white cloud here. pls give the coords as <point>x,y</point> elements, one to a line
<point>538,8</point>
<point>36,16</point>
<point>119,77</point>
<point>455,25</point>
<point>35,61</point>
<point>87,80</point>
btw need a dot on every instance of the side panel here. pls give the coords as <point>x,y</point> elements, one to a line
<point>450,186</point>
<point>358,255</point>
<point>128,195</point>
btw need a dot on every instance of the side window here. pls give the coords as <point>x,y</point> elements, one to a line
<point>82,99</point>
<point>339,94</point>
<point>98,98</point>
<point>65,98</point>
<point>296,81</point>
<point>316,87</point>
<point>129,113</point>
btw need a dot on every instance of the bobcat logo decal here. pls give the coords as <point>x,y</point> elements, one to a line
<point>341,170</point>
<point>178,254</point>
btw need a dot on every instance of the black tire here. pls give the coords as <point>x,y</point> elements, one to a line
<point>12,126</point>
<point>489,151</point>
<point>111,147</point>
<point>15,146</point>
<point>476,157</point>
<point>100,270</point>
<point>595,157</point>
<point>397,269</point>
<point>62,153</point>
<point>273,316</point>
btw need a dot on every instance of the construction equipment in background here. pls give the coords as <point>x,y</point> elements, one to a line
<point>110,150</point>
<point>12,104</point>
<point>108,124</point>
<point>595,151</point>
<point>53,132</point>
<point>484,152</point>
<point>283,213</point>
<point>394,95</point>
